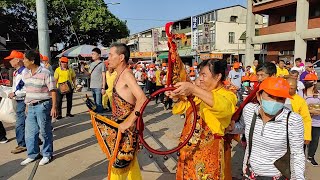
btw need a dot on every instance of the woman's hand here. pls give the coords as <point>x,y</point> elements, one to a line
<point>183,88</point>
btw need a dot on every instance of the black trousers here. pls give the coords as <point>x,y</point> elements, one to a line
<point>313,146</point>
<point>59,102</point>
<point>2,131</point>
<point>159,95</point>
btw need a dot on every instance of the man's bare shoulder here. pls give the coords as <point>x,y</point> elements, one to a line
<point>128,74</point>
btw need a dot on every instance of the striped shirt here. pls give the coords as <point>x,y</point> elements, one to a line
<point>269,142</point>
<point>38,85</point>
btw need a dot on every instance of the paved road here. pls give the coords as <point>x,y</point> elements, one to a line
<point>78,156</point>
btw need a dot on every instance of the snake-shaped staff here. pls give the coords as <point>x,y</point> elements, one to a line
<point>176,73</point>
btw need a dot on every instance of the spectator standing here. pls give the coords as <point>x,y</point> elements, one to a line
<point>41,104</point>
<point>140,77</point>
<point>281,70</point>
<point>300,86</point>
<point>159,85</point>
<point>45,63</point>
<point>64,76</point>
<point>97,72</point>
<point>152,79</point>
<point>311,95</point>
<point>297,66</point>
<point>18,93</point>
<point>309,69</point>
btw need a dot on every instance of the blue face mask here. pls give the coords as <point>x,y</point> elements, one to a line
<point>271,107</point>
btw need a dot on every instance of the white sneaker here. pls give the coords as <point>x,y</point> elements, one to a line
<point>44,160</point>
<point>26,161</point>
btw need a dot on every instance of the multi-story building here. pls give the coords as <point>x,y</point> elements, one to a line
<point>293,29</point>
<point>148,44</point>
<point>217,34</point>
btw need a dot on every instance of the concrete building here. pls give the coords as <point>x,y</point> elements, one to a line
<point>148,44</point>
<point>293,29</point>
<point>217,34</point>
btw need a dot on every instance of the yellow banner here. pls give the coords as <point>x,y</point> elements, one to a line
<point>207,56</point>
<point>142,54</point>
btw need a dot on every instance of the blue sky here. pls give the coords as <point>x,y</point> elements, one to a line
<point>144,14</point>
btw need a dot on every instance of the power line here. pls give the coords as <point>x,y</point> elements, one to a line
<point>139,19</point>
<point>69,17</point>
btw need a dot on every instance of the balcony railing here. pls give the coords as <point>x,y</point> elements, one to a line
<point>258,2</point>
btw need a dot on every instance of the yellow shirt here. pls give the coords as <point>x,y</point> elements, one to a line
<point>158,80</point>
<point>217,117</point>
<point>110,78</point>
<point>282,72</point>
<point>299,106</point>
<point>64,75</point>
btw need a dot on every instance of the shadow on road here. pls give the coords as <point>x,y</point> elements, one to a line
<point>98,170</point>
<point>75,147</point>
<point>10,168</point>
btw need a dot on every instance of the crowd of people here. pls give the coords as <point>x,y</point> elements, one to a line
<point>283,120</point>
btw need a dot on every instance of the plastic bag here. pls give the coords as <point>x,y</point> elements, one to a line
<point>7,106</point>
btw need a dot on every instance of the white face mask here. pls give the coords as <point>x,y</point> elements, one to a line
<point>151,69</point>
<point>195,67</point>
<point>140,69</point>
<point>164,68</point>
<point>192,78</point>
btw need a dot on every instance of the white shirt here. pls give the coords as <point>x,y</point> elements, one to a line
<point>18,86</point>
<point>299,69</point>
<point>138,76</point>
<point>269,142</point>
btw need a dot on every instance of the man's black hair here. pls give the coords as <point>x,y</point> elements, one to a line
<point>122,48</point>
<point>268,67</point>
<point>34,56</point>
<point>97,50</point>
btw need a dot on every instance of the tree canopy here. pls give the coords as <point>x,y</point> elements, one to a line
<point>90,20</point>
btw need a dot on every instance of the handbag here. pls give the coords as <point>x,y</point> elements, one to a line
<point>65,87</point>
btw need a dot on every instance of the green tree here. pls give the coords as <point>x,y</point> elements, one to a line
<point>89,19</point>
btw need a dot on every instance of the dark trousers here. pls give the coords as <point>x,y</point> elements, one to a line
<point>21,123</point>
<point>59,102</point>
<point>314,142</point>
<point>2,131</point>
<point>159,95</point>
<point>168,103</point>
<point>152,87</point>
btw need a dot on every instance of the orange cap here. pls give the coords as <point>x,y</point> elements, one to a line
<point>192,73</point>
<point>164,64</point>
<point>64,59</point>
<point>311,77</point>
<point>245,78</point>
<point>45,58</point>
<point>15,54</point>
<point>191,68</point>
<point>226,82</point>
<point>41,56</point>
<point>253,78</point>
<point>277,87</point>
<point>152,66</point>
<point>236,65</point>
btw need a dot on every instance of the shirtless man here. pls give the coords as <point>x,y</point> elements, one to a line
<point>128,98</point>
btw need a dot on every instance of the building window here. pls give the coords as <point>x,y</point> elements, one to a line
<point>233,18</point>
<point>163,34</point>
<point>231,37</point>
<point>213,37</point>
<point>287,18</point>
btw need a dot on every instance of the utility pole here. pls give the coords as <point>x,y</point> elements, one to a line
<point>43,29</point>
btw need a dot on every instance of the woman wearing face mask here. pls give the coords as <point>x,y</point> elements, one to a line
<point>203,157</point>
<point>272,131</point>
<point>311,95</point>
